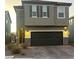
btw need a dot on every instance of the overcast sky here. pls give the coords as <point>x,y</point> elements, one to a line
<point>10,3</point>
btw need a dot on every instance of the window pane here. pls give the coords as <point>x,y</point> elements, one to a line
<point>45,13</point>
<point>44,8</point>
<point>61,14</point>
<point>60,11</point>
<point>34,8</point>
<point>33,13</point>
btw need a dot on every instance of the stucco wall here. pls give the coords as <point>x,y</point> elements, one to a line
<point>19,18</point>
<point>52,20</point>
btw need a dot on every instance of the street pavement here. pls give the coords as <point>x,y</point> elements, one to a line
<point>46,52</point>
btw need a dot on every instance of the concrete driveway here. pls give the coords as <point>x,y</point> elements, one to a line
<point>48,52</point>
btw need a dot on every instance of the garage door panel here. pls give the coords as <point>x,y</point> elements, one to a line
<point>46,38</point>
<point>47,34</point>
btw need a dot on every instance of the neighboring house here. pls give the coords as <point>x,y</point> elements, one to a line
<point>71,29</point>
<point>45,19</point>
<point>7,26</point>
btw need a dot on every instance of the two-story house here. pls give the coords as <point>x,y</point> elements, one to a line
<point>7,27</point>
<point>45,19</point>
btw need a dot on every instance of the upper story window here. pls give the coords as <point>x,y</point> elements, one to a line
<point>39,11</point>
<point>34,11</point>
<point>60,12</point>
<point>44,11</point>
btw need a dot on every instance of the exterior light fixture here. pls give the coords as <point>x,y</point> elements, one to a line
<point>65,32</point>
<point>27,34</point>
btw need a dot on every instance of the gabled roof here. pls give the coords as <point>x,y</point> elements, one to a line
<point>42,2</point>
<point>46,2</point>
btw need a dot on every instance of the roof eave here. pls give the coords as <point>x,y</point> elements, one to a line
<point>18,7</point>
<point>47,2</point>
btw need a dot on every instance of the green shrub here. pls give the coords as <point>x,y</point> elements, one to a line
<point>16,50</point>
<point>24,46</point>
<point>10,46</point>
<point>7,39</point>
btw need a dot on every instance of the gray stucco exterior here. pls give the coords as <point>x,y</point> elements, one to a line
<point>71,29</point>
<point>51,20</point>
<point>23,16</point>
<point>20,18</point>
<point>7,25</point>
<point>52,23</point>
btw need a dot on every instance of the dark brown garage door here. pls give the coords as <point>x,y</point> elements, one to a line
<point>46,38</point>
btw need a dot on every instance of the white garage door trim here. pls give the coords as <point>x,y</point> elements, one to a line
<point>45,30</point>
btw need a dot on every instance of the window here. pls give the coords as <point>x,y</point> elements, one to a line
<point>70,21</point>
<point>60,12</point>
<point>34,11</point>
<point>39,11</point>
<point>44,11</point>
<point>6,21</point>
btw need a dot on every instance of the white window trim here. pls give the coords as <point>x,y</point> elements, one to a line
<point>58,12</point>
<point>43,13</point>
<point>44,17</point>
<point>35,11</point>
<point>34,16</point>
